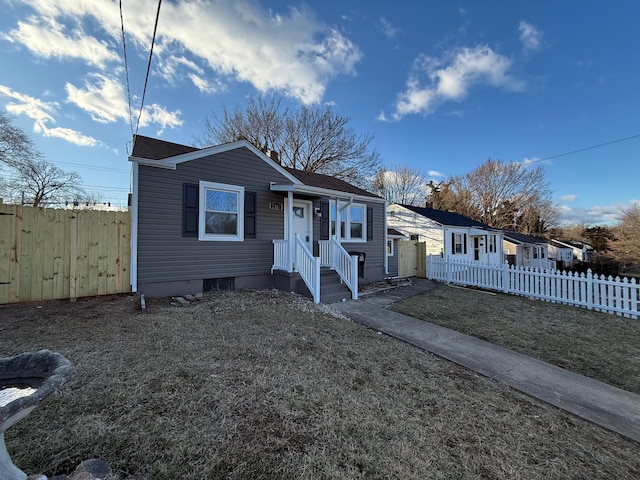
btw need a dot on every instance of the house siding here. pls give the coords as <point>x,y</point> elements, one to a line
<point>393,259</point>
<point>167,259</point>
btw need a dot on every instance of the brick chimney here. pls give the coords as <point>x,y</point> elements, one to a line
<point>429,204</point>
<point>274,156</point>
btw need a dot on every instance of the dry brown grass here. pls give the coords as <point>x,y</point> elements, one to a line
<point>602,346</point>
<point>266,385</point>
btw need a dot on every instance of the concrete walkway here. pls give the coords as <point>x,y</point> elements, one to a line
<point>602,404</point>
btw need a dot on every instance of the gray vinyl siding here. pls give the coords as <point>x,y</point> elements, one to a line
<point>164,255</point>
<point>393,259</point>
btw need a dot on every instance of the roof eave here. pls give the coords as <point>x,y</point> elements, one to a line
<point>311,190</point>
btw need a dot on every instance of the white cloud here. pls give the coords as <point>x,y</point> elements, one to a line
<point>433,82</point>
<point>594,215</point>
<point>155,114</point>
<point>47,38</point>
<point>103,97</point>
<point>569,198</point>
<point>435,173</point>
<point>292,52</point>
<point>530,36</point>
<point>206,86</point>
<point>388,29</point>
<point>43,115</point>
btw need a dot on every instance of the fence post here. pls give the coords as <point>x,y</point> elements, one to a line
<point>589,289</point>
<point>505,277</point>
<point>73,257</point>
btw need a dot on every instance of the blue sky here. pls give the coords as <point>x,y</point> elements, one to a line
<point>443,86</point>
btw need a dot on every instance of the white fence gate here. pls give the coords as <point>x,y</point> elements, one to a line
<point>600,293</point>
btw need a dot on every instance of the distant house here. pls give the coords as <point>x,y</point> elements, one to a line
<point>448,234</point>
<point>526,250</point>
<point>569,251</point>
<point>229,216</point>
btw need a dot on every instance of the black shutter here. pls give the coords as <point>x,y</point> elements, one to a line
<point>324,220</point>
<point>249,215</point>
<point>453,243</point>
<point>465,243</point>
<point>190,192</point>
<point>369,223</point>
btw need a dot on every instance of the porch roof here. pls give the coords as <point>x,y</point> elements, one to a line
<point>319,191</point>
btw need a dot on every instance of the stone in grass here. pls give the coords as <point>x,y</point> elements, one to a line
<point>93,469</point>
<point>181,301</point>
<point>199,296</point>
<point>191,298</point>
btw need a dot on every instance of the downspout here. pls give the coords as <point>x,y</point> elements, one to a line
<point>290,240</point>
<point>386,239</point>
<point>133,267</point>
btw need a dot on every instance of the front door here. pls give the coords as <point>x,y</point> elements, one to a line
<point>302,222</point>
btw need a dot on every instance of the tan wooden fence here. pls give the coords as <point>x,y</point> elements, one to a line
<point>48,254</point>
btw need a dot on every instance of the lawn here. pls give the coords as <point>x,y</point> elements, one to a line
<point>599,345</point>
<point>267,385</point>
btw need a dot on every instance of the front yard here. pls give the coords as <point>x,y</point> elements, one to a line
<point>267,385</point>
<point>599,345</point>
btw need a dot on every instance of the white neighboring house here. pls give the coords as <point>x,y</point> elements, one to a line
<point>527,251</point>
<point>570,250</point>
<point>448,234</point>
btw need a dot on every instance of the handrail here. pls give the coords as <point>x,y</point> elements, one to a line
<point>308,267</point>
<point>281,256</point>
<point>345,265</point>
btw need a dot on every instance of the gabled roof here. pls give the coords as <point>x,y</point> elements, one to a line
<point>444,217</point>
<point>521,238</point>
<point>167,154</point>
<point>392,232</point>
<point>572,244</point>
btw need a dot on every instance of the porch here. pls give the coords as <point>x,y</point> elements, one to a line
<point>325,276</point>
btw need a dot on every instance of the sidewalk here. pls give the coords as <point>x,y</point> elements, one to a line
<point>602,404</point>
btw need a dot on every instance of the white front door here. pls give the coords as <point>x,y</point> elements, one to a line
<point>302,222</point>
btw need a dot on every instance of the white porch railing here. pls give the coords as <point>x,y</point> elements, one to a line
<point>281,255</point>
<point>308,267</point>
<point>333,255</point>
<point>542,263</point>
<point>600,293</point>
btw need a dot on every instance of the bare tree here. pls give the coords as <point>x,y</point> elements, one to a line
<point>312,138</point>
<point>403,185</point>
<point>31,179</point>
<point>503,195</point>
<point>627,246</point>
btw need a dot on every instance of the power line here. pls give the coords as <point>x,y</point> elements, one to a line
<point>126,68</point>
<point>146,79</point>
<point>584,149</point>
<point>94,167</point>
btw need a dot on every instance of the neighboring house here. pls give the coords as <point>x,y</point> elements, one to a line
<point>229,216</point>
<point>526,250</point>
<point>569,251</point>
<point>393,237</point>
<point>447,234</point>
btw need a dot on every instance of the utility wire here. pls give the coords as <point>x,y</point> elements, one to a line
<point>146,79</point>
<point>584,149</point>
<point>126,68</point>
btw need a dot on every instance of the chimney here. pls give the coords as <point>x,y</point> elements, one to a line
<point>274,156</point>
<point>429,204</point>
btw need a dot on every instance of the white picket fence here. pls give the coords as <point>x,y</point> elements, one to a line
<point>600,293</point>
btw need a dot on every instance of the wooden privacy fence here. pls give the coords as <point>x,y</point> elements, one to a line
<point>48,254</point>
<point>412,259</point>
<point>600,293</point>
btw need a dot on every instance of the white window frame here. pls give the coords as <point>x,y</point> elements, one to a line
<point>492,243</point>
<point>390,252</point>
<point>458,239</point>
<point>220,237</point>
<point>333,211</point>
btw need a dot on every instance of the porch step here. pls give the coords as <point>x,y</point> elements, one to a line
<point>332,290</point>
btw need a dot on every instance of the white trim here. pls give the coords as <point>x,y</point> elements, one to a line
<point>386,238</point>
<point>133,261</point>
<point>288,219</point>
<point>346,208</point>
<point>171,162</point>
<point>219,237</point>
<point>327,192</point>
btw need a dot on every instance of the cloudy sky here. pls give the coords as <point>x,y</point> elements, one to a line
<point>443,86</point>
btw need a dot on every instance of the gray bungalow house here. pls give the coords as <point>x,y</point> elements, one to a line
<point>448,234</point>
<point>527,251</point>
<point>229,216</point>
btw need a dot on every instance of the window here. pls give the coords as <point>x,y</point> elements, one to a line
<point>492,244</point>
<point>458,243</point>
<point>352,222</point>
<point>390,248</point>
<point>221,212</point>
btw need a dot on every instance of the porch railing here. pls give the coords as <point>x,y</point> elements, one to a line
<point>308,267</point>
<point>333,255</point>
<point>281,255</point>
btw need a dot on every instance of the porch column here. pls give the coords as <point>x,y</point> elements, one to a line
<point>289,235</point>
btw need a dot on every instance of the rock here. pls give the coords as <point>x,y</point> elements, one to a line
<point>181,301</point>
<point>93,469</point>
<point>199,296</point>
<point>191,298</point>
